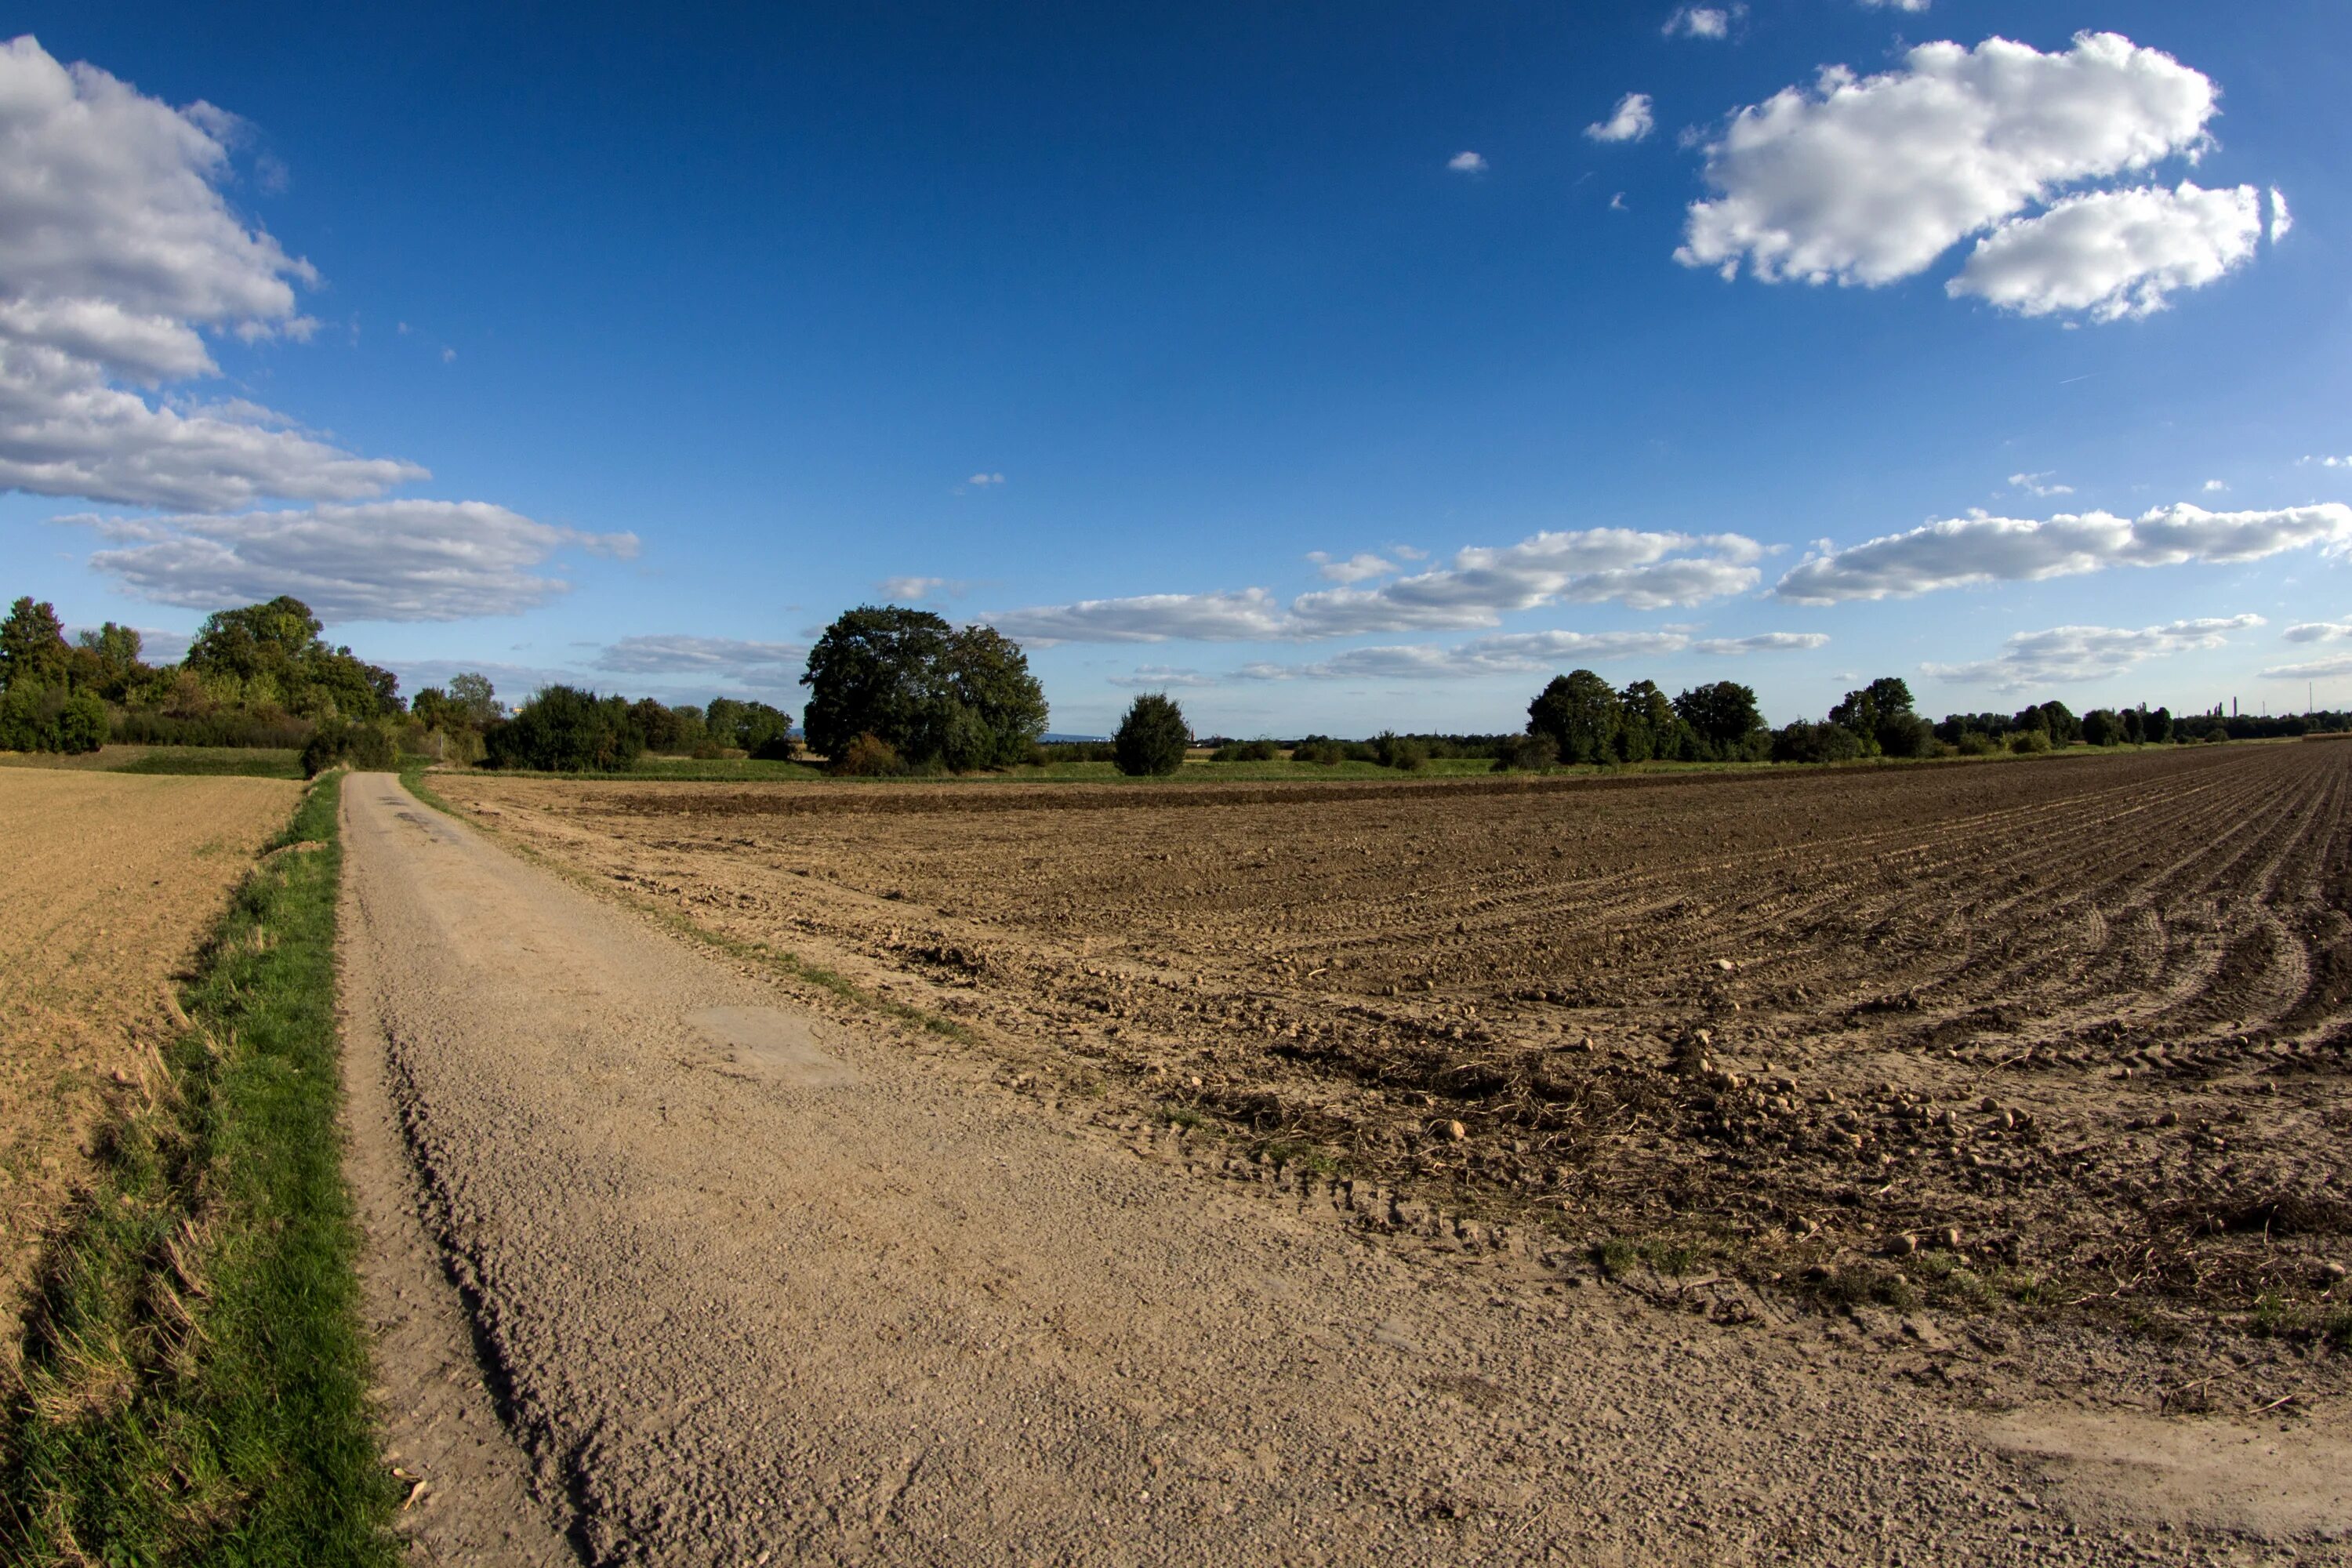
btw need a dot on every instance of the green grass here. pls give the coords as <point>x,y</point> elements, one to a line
<point>224,760</point>
<point>195,1368</point>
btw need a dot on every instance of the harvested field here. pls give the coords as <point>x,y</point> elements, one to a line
<point>2063,1032</point>
<point>109,885</point>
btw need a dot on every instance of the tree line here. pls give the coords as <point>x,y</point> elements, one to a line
<point>894,691</point>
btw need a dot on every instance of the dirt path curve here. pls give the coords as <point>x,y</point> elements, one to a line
<point>750,1290</point>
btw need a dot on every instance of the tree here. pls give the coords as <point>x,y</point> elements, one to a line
<point>1578,712</point>
<point>107,661</point>
<point>272,655</point>
<point>1805,742</point>
<point>1152,737</point>
<point>2101,727</point>
<point>1722,717</point>
<point>2158,727</point>
<point>1647,725</point>
<point>1880,715</point>
<point>32,644</point>
<point>2135,723</point>
<point>475,694</point>
<point>936,696</point>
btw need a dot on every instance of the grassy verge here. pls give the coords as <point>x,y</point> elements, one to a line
<point>194,1369</point>
<point>785,963</point>
<point>242,762</point>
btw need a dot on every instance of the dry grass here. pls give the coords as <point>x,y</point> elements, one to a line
<point>109,885</point>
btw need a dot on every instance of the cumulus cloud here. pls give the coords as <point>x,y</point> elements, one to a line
<point>683,655</point>
<point>1644,571</point>
<point>1360,567</point>
<point>2036,484</point>
<point>118,256</point>
<point>2064,655</point>
<point>1630,121</point>
<point>1467,162</point>
<point>1962,552</point>
<point>2318,631</point>
<point>1700,22</point>
<point>1162,677</point>
<point>2112,254</point>
<point>1866,180</point>
<point>1762,642</point>
<point>374,561</point>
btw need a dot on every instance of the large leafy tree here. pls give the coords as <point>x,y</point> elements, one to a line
<point>275,653</point>
<point>1647,727</point>
<point>1722,715</point>
<point>965,698</point>
<point>1579,712</point>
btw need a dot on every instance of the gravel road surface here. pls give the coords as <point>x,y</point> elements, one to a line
<point>667,1269</point>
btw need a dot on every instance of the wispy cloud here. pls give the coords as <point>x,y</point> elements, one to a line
<point>1702,21</point>
<point>684,654</point>
<point>1630,121</point>
<point>1467,162</point>
<point>2067,654</point>
<point>2038,484</point>
<point>1361,567</point>
<point>1162,677</point>
<point>915,589</point>
<point>1643,571</point>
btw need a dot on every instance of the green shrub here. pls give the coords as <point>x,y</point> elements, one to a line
<point>2029,742</point>
<point>367,747</point>
<point>1403,752</point>
<point>1977,743</point>
<point>1807,742</point>
<point>566,730</point>
<point>1152,737</point>
<point>869,757</point>
<point>1531,754</point>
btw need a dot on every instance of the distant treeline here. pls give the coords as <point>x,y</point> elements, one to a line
<point>895,690</point>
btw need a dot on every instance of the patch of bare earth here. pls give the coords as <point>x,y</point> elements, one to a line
<point>108,887</point>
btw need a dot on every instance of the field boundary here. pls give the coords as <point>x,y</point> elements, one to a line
<point>195,1367</point>
<point>780,960</point>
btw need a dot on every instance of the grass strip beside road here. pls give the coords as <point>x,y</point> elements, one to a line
<point>195,1369</point>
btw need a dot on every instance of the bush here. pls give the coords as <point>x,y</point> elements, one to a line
<point>1806,743</point>
<point>1905,736</point>
<point>566,730</point>
<point>1322,753</point>
<point>1246,751</point>
<point>340,740</point>
<point>1977,743</point>
<point>1401,752</point>
<point>82,724</point>
<point>1152,737</point>
<point>231,727</point>
<point>1531,754</point>
<point>2029,742</point>
<point>869,757</point>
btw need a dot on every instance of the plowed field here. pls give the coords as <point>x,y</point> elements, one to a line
<point>106,886</point>
<point>2072,1028</point>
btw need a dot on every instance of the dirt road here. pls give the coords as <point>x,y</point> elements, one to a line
<point>745,1284</point>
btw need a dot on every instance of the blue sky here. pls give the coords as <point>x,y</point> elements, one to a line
<point>1193,350</point>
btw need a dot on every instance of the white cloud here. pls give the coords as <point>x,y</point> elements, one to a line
<point>1912,5</point>
<point>1868,180</point>
<point>1762,642</point>
<point>2282,220</point>
<point>915,589</point>
<point>2213,487</point>
<point>2331,462</point>
<point>2112,254</point>
<point>1630,121</point>
<point>1162,677</point>
<point>1358,567</point>
<point>1962,552</point>
<point>1467,162</point>
<point>1701,22</point>
<point>1644,571</point>
<point>683,655</point>
<point>984,481</point>
<point>1617,202</point>
<point>2064,655</point>
<point>2033,484</point>
<point>2318,631</point>
<point>118,255</point>
<point>1514,654</point>
<point>2317,669</point>
<point>377,561</point>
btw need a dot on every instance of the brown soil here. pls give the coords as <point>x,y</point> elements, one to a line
<point>753,1273</point>
<point>107,887</point>
<point>2040,1031</point>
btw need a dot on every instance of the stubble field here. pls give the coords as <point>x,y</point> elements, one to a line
<point>2061,1032</point>
<point>109,885</point>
